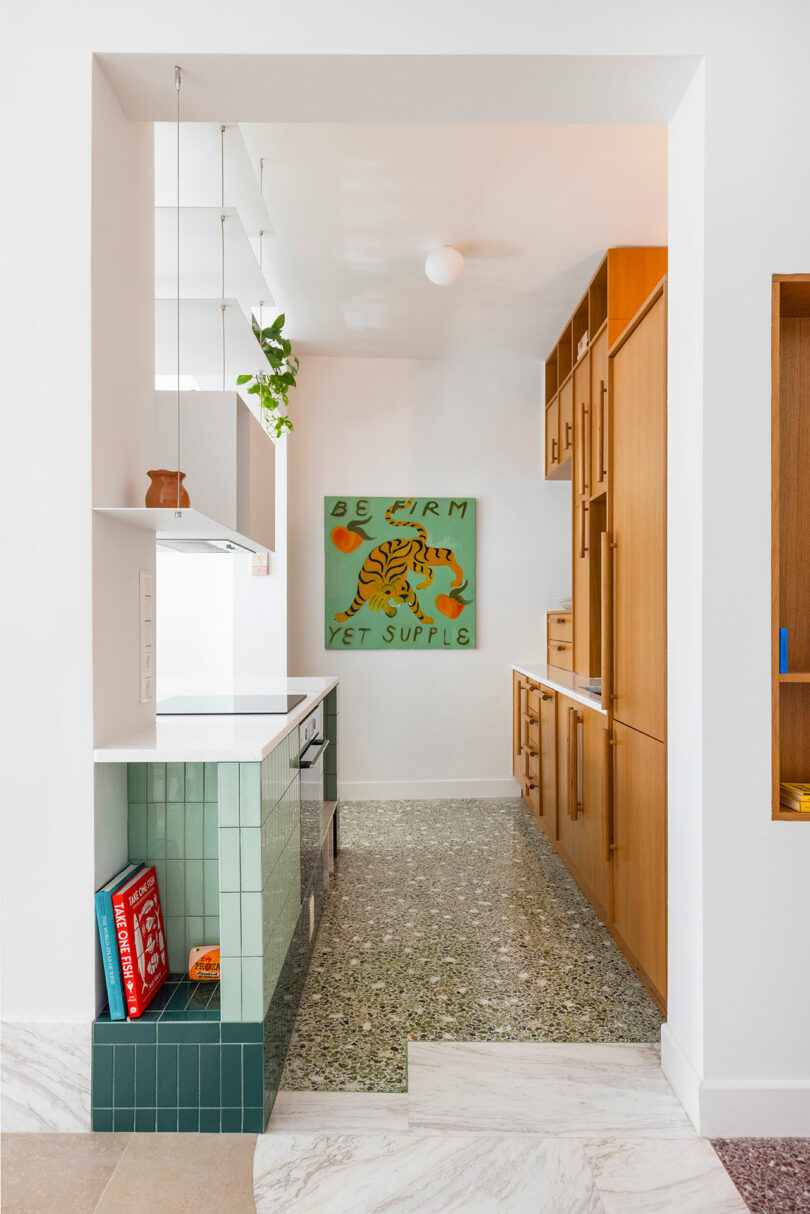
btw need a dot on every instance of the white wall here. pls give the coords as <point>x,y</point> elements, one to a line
<point>422,723</point>
<point>752,980</point>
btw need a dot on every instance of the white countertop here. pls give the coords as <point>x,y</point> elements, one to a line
<point>565,681</point>
<point>217,739</point>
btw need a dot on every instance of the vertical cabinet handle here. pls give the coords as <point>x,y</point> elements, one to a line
<point>586,474</point>
<point>607,797</point>
<point>602,410</point>
<point>583,547</point>
<point>608,548</point>
<point>553,450</point>
<point>568,428</point>
<point>574,802</point>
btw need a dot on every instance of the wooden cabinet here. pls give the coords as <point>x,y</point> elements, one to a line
<point>583,824</point>
<point>582,438</point>
<point>559,626</point>
<point>548,760</point>
<point>599,420</point>
<point>638,505</point>
<point>639,851</point>
<point>567,419</point>
<point>552,437</point>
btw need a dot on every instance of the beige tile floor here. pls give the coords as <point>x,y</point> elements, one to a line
<point>487,1129</point>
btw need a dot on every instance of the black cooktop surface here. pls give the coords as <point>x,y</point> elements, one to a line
<point>226,705</point>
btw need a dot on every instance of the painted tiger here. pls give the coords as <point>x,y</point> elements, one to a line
<point>383,580</point>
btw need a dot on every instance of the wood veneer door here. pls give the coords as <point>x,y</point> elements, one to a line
<point>566,418</point>
<point>548,760</point>
<point>581,587</point>
<point>582,413</point>
<point>593,862</point>
<point>638,491</point>
<point>639,834</point>
<point>552,436</point>
<point>599,414</point>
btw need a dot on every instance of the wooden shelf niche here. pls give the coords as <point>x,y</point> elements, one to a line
<point>790,488</point>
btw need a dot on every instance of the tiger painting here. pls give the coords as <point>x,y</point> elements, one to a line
<point>383,580</point>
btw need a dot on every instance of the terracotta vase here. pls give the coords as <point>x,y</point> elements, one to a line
<point>163,490</point>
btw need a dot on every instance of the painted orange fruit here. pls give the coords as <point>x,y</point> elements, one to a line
<point>348,539</point>
<point>452,604</point>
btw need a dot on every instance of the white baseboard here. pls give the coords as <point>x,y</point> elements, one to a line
<point>427,790</point>
<point>755,1108</point>
<point>680,1072</point>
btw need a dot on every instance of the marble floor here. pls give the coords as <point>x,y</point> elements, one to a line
<point>453,921</point>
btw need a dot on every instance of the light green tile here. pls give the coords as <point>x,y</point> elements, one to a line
<point>176,939</point>
<point>210,829</point>
<point>230,925</point>
<point>174,894</point>
<point>212,929</point>
<point>175,831</point>
<point>136,831</point>
<point>211,774</point>
<point>252,989</point>
<point>195,935</point>
<point>156,782</point>
<point>194,888</point>
<point>230,991</point>
<point>160,873</point>
<point>155,831</point>
<point>229,794</point>
<point>251,858</point>
<point>195,783</point>
<point>229,860</point>
<point>175,781</point>
<point>194,820</point>
<point>136,782</point>
<point>211,887</point>
<point>250,794</point>
<point>251,925</point>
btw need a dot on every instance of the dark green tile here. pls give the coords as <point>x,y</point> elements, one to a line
<point>123,1121</point>
<point>209,1075</point>
<point>145,1121</point>
<point>188,1121</point>
<point>231,1075</point>
<point>167,1121</point>
<point>187,1032</point>
<point>252,1074</point>
<point>231,1121</point>
<point>103,1120</point>
<point>145,1076</point>
<point>252,1121</point>
<point>194,782</point>
<point>124,1077</point>
<point>188,1075</point>
<point>102,1076</point>
<point>209,1121</point>
<point>167,1076</point>
<point>123,1032</point>
<point>238,1030</point>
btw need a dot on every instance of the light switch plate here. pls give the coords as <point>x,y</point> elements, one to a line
<point>260,564</point>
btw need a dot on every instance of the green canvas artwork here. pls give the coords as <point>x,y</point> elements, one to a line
<point>399,572</point>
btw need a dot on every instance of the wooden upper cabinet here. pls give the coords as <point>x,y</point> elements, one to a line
<point>632,275</point>
<point>638,494</point>
<point>567,419</point>
<point>599,414</point>
<point>552,436</point>
<point>582,443</point>
<point>639,838</point>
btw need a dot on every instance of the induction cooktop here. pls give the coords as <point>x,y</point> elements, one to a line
<point>227,705</point>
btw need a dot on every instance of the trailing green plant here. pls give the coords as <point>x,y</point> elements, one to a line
<point>272,387</point>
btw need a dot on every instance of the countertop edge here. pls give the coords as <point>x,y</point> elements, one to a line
<point>140,748</point>
<point>557,682</point>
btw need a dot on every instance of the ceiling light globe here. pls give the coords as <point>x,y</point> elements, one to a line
<point>444,265</point>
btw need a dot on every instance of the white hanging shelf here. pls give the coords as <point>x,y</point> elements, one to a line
<point>201,257</point>
<point>201,172</point>
<point>201,339</point>
<point>170,524</point>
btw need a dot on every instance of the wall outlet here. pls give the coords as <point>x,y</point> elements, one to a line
<point>260,564</point>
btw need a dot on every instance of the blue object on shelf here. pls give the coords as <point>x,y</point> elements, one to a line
<point>783,665</point>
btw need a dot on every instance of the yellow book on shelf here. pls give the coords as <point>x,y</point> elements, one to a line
<point>799,807</point>
<point>796,792</point>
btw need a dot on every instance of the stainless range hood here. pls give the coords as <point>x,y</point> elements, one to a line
<point>189,545</point>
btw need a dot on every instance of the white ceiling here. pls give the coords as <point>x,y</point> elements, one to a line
<point>355,208</point>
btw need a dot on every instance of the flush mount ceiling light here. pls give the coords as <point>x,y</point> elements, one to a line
<point>444,265</point>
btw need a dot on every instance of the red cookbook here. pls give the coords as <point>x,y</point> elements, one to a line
<point>141,940</point>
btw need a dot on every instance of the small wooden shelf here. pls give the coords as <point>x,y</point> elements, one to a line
<point>790,552</point>
<point>173,525</point>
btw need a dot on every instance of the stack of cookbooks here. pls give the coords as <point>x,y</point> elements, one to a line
<point>133,942</point>
<point>795,797</point>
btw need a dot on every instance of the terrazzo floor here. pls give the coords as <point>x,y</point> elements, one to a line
<point>453,920</point>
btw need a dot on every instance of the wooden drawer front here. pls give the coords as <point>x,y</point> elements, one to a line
<point>533,703</point>
<point>560,625</point>
<point>561,653</point>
